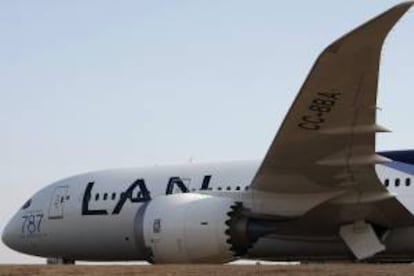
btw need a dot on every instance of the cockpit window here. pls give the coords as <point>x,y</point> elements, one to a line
<point>27,204</point>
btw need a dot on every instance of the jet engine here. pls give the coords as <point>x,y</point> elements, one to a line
<point>192,228</point>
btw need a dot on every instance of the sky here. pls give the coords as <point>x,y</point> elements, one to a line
<point>90,85</point>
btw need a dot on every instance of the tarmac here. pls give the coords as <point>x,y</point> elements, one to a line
<point>228,270</point>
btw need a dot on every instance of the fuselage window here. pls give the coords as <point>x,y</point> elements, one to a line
<point>97,197</point>
<point>408,182</point>
<point>238,188</point>
<point>27,204</point>
<point>397,182</point>
<point>387,182</point>
<point>228,188</point>
<point>113,196</point>
<point>219,188</point>
<point>246,188</point>
<point>105,196</point>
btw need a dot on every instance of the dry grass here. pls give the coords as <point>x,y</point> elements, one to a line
<point>228,270</point>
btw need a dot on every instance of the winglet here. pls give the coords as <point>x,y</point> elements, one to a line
<point>386,21</point>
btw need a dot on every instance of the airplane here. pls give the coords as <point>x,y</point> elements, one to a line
<point>321,193</point>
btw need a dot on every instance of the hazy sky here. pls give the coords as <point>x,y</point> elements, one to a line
<point>87,85</point>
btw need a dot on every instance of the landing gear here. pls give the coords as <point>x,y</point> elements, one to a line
<point>59,261</point>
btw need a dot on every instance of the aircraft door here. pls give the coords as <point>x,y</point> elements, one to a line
<point>57,202</point>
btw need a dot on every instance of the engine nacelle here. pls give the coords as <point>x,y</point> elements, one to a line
<point>187,228</point>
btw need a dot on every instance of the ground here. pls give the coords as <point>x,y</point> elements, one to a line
<point>228,270</point>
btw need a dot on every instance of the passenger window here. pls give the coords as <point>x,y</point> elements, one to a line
<point>238,188</point>
<point>219,188</point>
<point>113,196</point>
<point>105,196</point>
<point>246,188</point>
<point>387,182</point>
<point>228,188</point>
<point>397,182</point>
<point>96,197</point>
<point>408,182</point>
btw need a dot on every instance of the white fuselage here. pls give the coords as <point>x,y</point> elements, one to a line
<point>93,216</point>
<point>63,228</point>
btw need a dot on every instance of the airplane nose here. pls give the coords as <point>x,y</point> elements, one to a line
<point>10,235</point>
<point>7,235</point>
<point>14,238</point>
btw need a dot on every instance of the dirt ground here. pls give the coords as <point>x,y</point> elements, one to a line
<point>228,270</point>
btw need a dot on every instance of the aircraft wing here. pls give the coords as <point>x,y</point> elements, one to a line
<point>325,148</point>
<point>320,168</point>
<point>327,140</point>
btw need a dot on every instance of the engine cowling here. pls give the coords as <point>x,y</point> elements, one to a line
<point>187,228</point>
